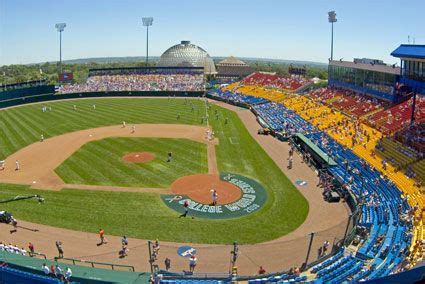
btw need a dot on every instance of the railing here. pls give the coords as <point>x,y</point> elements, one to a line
<point>42,255</point>
<point>93,263</point>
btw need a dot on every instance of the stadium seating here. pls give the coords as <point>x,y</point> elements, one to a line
<point>281,119</point>
<point>275,81</point>
<point>413,136</point>
<point>397,117</point>
<point>11,275</point>
<point>394,229</point>
<point>138,82</point>
<point>348,101</point>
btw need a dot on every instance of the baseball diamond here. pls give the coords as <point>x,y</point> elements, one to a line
<point>186,167</point>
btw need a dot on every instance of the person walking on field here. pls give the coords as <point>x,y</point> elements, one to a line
<point>290,160</point>
<point>167,263</point>
<point>214,197</point>
<point>17,165</point>
<point>60,249</point>
<point>169,157</point>
<point>186,210</point>
<point>193,261</point>
<point>102,237</point>
<point>15,226</point>
<point>31,248</point>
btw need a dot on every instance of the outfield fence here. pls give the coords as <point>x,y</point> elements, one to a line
<point>52,97</point>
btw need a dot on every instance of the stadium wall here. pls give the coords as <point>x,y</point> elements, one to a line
<point>52,97</point>
<point>26,92</point>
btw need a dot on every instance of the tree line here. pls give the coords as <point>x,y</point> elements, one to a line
<point>17,73</point>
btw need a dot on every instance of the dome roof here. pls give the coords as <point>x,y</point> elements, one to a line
<point>187,54</point>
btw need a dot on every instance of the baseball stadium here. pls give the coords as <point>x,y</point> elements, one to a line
<point>193,170</point>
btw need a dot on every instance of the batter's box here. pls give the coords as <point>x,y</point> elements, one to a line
<point>233,140</point>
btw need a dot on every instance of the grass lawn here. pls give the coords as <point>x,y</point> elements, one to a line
<point>144,215</point>
<point>100,162</point>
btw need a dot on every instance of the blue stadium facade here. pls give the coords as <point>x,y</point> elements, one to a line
<point>389,83</point>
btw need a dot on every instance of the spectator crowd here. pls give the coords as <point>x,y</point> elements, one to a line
<point>138,82</point>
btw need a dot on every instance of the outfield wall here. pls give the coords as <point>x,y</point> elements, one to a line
<point>26,92</point>
<point>52,97</point>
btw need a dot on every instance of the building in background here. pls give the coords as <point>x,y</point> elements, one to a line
<point>369,61</point>
<point>232,69</point>
<point>187,54</point>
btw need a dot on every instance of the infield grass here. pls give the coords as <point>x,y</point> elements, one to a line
<point>100,162</point>
<point>143,215</point>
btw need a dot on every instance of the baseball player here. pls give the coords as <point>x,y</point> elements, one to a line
<point>17,165</point>
<point>214,196</point>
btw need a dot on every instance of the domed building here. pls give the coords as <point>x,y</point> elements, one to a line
<point>187,54</point>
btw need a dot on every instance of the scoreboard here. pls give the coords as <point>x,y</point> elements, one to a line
<point>66,77</point>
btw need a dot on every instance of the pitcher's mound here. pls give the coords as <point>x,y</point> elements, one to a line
<point>198,187</point>
<point>139,157</point>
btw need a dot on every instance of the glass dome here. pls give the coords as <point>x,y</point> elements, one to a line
<point>188,55</point>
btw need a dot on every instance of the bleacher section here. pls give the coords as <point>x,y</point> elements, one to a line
<point>413,136</point>
<point>348,101</point>
<point>397,117</point>
<point>281,119</point>
<point>394,229</point>
<point>270,80</point>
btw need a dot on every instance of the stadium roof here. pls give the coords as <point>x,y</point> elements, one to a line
<point>231,60</point>
<point>187,54</point>
<point>376,67</point>
<point>410,51</point>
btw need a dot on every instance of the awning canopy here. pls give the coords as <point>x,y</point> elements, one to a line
<point>325,157</point>
<point>410,51</point>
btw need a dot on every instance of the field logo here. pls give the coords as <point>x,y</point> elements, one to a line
<point>252,199</point>
<point>186,251</point>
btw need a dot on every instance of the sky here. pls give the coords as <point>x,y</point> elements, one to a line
<point>277,29</point>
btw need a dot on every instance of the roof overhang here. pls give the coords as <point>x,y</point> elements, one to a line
<point>408,51</point>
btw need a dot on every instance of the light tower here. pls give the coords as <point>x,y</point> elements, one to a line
<point>147,22</point>
<point>332,20</point>
<point>60,28</point>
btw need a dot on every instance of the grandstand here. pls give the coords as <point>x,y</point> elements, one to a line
<point>146,79</point>
<point>383,185</point>
<point>271,80</point>
<point>348,101</point>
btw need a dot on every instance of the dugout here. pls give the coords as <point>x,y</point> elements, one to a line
<point>319,158</point>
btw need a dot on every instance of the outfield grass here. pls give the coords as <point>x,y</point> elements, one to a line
<point>100,162</point>
<point>144,215</point>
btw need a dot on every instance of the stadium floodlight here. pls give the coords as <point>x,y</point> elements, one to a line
<point>60,27</point>
<point>332,19</point>
<point>147,22</point>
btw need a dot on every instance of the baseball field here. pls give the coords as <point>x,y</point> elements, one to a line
<point>143,214</point>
